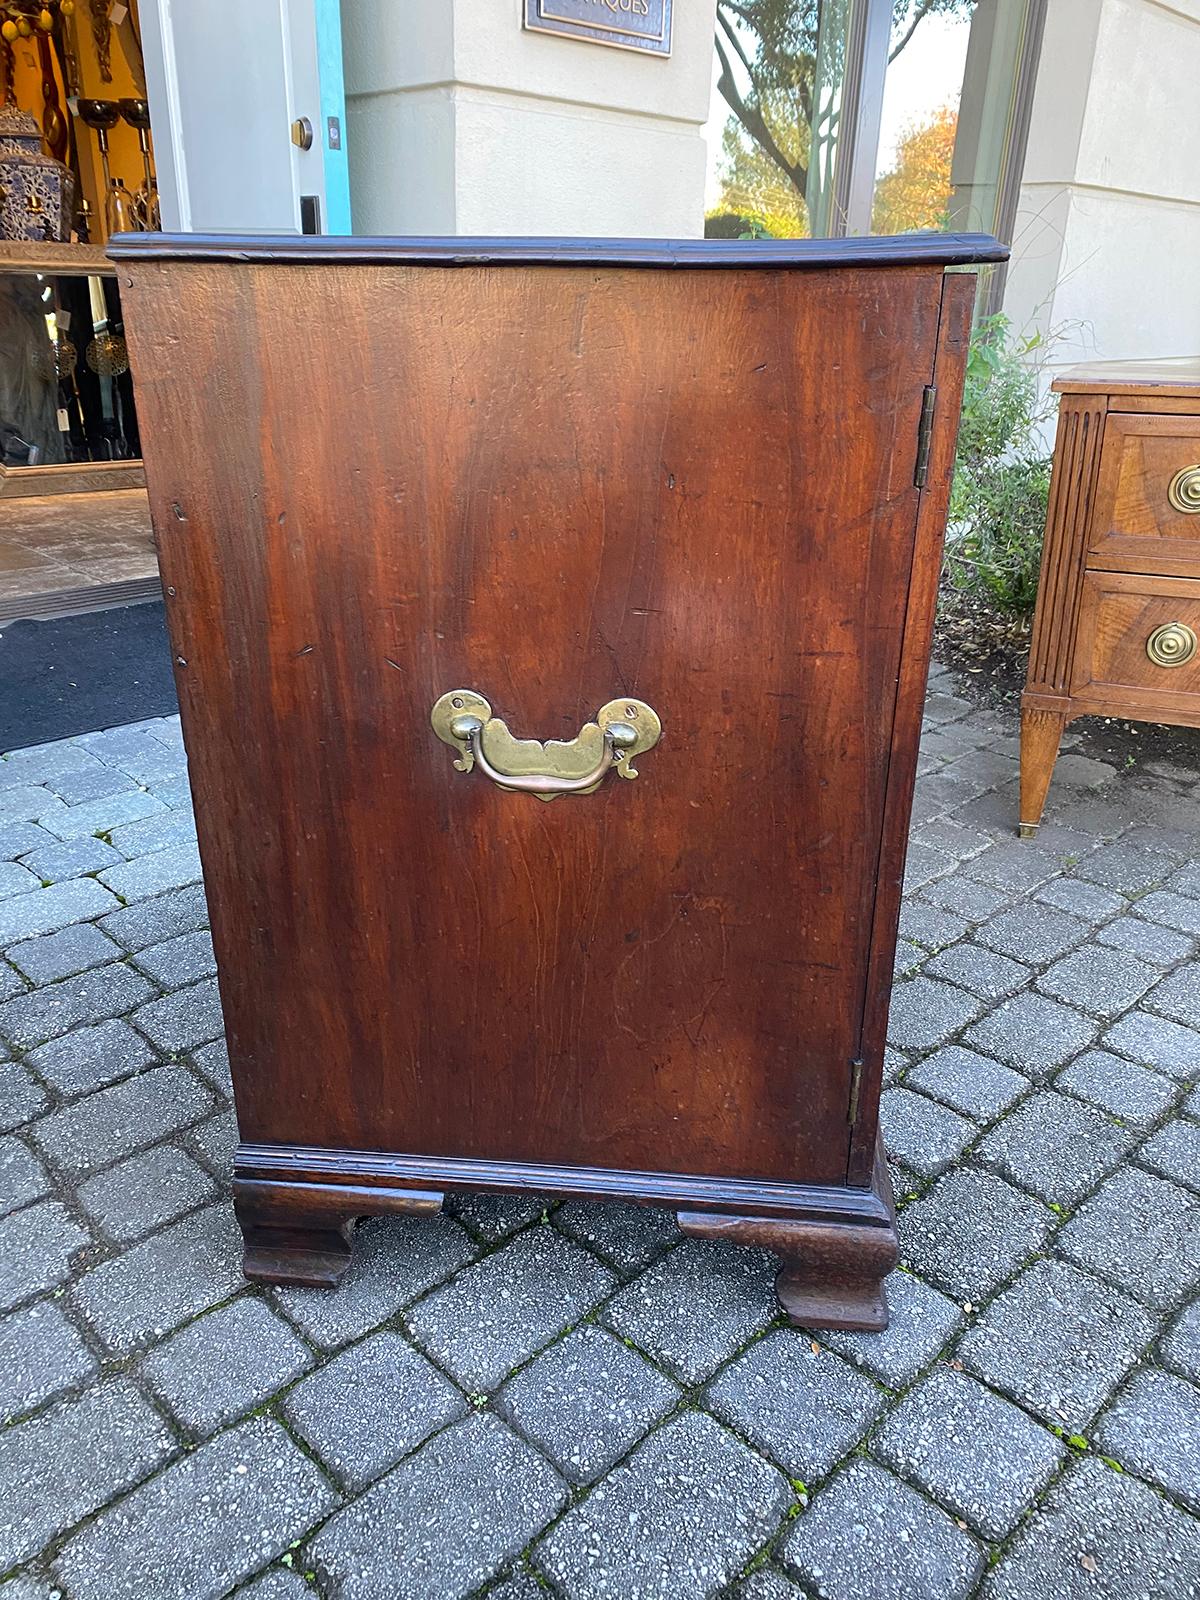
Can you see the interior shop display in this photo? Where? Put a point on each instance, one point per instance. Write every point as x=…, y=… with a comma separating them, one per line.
x=37, y=190
x=1117, y=627
x=648, y=535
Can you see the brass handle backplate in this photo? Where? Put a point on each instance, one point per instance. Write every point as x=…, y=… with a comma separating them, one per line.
x=1183, y=491
x=1171, y=645
x=622, y=729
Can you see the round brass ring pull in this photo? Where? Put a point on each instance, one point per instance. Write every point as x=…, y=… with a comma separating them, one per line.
x=1171, y=645
x=622, y=729
x=1183, y=491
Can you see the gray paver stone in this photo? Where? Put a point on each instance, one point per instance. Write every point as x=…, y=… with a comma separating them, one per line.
x=225, y=1363
x=371, y=1405
x=154, y=834
x=803, y=1407
x=1146, y=940
x=90, y=1058
x=215, y=1141
x=25, y=916
x=1153, y=1429
x=411, y=1536
x=696, y=1306
x=154, y=874
x=968, y=1082
x=586, y=1401
x=1174, y=1151
x=279, y=1583
x=965, y=897
x=394, y=1260
x=495, y=1216
x=1171, y=910
x=1140, y=1232
x=91, y=997
x=22, y=1176
x=1080, y=899
x=20, y=838
x=36, y=1246
x=63, y=954
x=21, y=1096
x=925, y=1013
x=213, y=1062
x=971, y=1232
x=1156, y=1042
x=155, y=921
x=921, y=1321
x=11, y=983
x=1032, y=1034
x=15, y=880
x=922, y=1134
x=764, y=1585
x=183, y=1020
x=496, y=1313
x=133, y=1299
x=1055, y=1145
x=627, y=1236
x=1130, y=868
x=198, y=1528
x=1177, y=996
x=928, y=925
x=1058, y=1341
x=1101, y=1535
x=1098, y=980
x=41, y=1355
x=124, y=1117
x=983, y=972
x=1181, y=1346
x=867, y=1535
x=57, y=861
x=185, y=959
x=1134, y=1094
x=674, y=1522
x=145, y=1192
x=65, y=1463
x=1031, y=933
x=979, y=1455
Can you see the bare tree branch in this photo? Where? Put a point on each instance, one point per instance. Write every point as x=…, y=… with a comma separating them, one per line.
x=751, y=118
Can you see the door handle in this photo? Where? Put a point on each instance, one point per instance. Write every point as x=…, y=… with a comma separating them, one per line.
x=621, y=730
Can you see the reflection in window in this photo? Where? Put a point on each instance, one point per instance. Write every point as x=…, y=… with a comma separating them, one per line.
x=802, y=99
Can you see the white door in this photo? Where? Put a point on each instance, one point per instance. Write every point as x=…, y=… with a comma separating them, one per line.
x=248, y=116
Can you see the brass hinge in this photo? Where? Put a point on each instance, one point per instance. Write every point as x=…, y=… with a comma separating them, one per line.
x=924, y=435
x=856, y=1075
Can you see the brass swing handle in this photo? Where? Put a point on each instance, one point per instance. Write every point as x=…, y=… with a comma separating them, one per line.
x=622, y=729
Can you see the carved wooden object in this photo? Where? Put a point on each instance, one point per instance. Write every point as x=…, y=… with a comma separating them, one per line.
x=1118, y=610
x=701, y=485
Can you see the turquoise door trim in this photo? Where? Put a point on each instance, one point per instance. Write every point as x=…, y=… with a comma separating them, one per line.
x=333, y=104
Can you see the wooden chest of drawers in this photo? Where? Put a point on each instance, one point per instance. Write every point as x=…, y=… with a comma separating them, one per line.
x=450, y=529
x=1118, y=612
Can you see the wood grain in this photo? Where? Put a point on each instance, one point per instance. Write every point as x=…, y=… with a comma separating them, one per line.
x=1135, y=528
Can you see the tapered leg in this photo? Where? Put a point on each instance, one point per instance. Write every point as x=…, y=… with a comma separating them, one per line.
x=1041, y=734
x=300, y=1233
x=832, y=1273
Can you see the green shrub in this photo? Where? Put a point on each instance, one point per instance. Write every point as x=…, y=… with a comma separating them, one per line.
x=1001, y=474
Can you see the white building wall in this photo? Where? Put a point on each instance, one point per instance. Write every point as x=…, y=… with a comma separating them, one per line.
x=1107, y=241
x=460, y=121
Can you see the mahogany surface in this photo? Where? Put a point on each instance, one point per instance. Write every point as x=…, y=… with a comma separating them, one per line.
x=686, y=477
x=1119, y=560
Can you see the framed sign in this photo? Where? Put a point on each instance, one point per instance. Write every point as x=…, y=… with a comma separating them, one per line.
x=627, y=24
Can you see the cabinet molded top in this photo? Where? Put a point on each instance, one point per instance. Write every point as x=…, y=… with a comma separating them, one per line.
x=903, y=249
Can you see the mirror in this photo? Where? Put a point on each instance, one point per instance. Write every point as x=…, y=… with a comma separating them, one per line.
x=68, y=421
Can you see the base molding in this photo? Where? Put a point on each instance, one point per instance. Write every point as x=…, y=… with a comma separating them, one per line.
x=297, y=1205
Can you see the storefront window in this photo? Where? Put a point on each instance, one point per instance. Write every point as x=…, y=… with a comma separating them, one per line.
x=853, y=116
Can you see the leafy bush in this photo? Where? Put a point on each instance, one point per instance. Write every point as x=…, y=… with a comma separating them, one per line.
x=1001, y=474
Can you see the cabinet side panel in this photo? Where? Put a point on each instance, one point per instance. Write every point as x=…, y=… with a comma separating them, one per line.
x=954, y=333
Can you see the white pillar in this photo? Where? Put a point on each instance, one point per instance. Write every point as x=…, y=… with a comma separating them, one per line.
x=1108, y=230
x=459, y=121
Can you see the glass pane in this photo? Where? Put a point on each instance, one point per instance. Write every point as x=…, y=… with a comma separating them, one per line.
x=775, y=117
x=947, y=114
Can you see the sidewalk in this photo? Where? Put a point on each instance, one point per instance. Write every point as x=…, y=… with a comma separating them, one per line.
x=521, y=1400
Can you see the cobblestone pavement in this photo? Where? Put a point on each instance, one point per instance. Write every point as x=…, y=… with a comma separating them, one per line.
x=515, y=1399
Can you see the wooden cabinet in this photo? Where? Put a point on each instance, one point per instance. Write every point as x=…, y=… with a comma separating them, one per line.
x=456, y=539
x=1118, y=615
